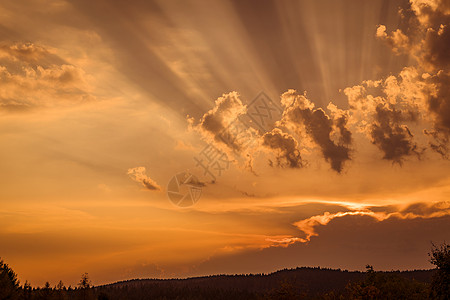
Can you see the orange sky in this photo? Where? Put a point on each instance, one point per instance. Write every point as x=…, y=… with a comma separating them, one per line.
x=102, y=103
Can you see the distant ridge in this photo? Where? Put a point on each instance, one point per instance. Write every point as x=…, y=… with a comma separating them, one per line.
x=311, y=281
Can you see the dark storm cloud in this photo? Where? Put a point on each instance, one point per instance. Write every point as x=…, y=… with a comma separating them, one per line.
x=300, y=114
x=285, y=146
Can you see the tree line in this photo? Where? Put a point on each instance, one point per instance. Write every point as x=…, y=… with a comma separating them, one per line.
x=299, y=283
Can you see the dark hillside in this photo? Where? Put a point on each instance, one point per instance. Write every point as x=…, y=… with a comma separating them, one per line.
x=303, y=281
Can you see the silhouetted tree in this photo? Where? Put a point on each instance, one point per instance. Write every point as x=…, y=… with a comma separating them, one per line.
x=9, y=285
x=60, y=286
x=26, y=290
x=440, y=285
x=85, y=282
x=84, y=285
x=60, y=290
x=46, y=291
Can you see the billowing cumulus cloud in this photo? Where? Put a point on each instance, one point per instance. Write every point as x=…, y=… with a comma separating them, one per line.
x=341, y=118
x=29, y=53
x=226, y=110
x=394, y=139
x=138, y=174
x=397, y=40
x=439, y=103
x=285, y=147
x=300, y=116
x=427, y=40
x=439, y=106
x=394, y=112
x=31, y=76
x=385, y=109
x=328, y=133
x=433, y=18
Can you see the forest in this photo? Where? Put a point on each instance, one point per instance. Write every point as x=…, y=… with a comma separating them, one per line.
x=299, y=283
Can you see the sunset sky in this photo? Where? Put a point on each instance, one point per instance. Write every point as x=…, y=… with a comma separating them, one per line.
x=103, y=102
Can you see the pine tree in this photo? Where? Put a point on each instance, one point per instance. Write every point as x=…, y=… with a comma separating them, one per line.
x=440, y=286
x=9, y=284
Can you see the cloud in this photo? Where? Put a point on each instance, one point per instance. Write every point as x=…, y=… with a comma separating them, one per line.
x=426, y=41
x=383, y=110
x=31, y=76
x=340, y=121
x=227, y=128
x=413, y=211
x=308, y=226
x=29, y=53
x=371, y=241
x=394, y=139
x=388, y=111
x=439, y=143
x=226, y=110
x=285, y=146
x=397, y=39
x=138, y=174
x=433, y=18
x=300, y=116
x=439, y=106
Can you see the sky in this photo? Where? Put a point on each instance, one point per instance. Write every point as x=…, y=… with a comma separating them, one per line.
x=170, y=138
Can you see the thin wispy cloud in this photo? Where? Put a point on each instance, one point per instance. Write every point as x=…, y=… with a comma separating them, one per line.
x=139, y=174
